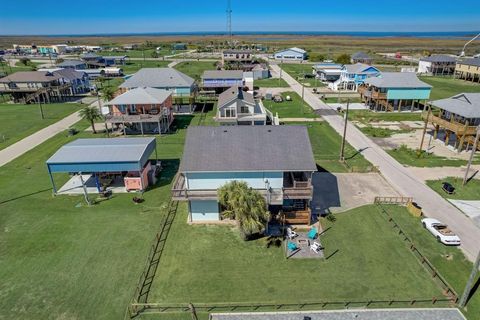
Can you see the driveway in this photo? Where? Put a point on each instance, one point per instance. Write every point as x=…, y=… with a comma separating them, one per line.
x=338, y=192
x=397, y=175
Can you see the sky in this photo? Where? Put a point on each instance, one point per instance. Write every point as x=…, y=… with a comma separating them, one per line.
x=31, y=17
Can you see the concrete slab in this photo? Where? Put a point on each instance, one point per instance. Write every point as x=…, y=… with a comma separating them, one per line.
x=470, y=208
x=370, y=314
x=338, y=192
x=74, y=186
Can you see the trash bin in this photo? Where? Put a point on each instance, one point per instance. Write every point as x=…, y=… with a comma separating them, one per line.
x=414, y=209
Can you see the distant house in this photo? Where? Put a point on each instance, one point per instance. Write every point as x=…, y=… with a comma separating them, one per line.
x=78, y=80
x=142, y=110
x=36, y=86
x=179, y=46
x=237, y=56
x=468, y=69
x=361, y=57
x=237, y=107
x=438, y=64
x=260, y=71
x=327, y=71
x=94, y=61
x=353, y=75
x=458, y=117
x=130, y=47
x=292, y=54
x=178, y=83
x=277, y=161
x=41, y=49
x=395, y=91
x=72, y=64
x=222, y=79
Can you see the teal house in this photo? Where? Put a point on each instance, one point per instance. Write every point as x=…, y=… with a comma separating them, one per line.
x=277, y=161
x=395, y=91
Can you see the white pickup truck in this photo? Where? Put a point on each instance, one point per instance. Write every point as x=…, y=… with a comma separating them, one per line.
x=441, y=232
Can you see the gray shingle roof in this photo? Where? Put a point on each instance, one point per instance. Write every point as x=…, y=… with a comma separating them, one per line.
x=397, y=80
x=234, y=93
x=158, y=78
x=247, y=149
x=464, y=104
x=69, y=74
x=357, y=68
x=222, y=74
x=439, y=58
x=90, y=55
x=360, y=55
x=470, y=62
x=102, y=150
x=30, y=76
x=141, y=96
x=70, y=63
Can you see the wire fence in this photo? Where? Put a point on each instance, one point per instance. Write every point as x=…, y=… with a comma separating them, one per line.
x=448, y=290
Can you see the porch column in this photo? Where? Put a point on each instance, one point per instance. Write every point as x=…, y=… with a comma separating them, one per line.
x=159, y=128
x=51, y=180
x=141, y=127
x=447, y=137
x=435, y=132
x=462, y=139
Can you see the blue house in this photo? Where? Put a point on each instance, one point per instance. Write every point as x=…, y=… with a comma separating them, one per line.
x=395, y=91
x=292, y=54
x=168, y=79
x=222, y=79
x=353, y=75
x=275, y=160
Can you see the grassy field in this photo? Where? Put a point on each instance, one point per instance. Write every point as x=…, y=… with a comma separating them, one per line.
x=217, y=266
x=299, y=70
x=444, y=87
x=271, y=83
x=449, y=261
x=135, y=65
x=195, y=69
x=471, y=191
x=20, y=120
x=409, y=157
x=165, y=51
x=290, y=109
x=376, y=132
x=366, y=116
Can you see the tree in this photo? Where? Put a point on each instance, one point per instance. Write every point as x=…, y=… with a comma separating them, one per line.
x=91, y=114
x=154, y=54
x=108, y=93
x=244, y=205
x=24, y=61
x=343, y=59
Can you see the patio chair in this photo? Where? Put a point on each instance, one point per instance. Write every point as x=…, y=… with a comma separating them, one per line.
x=312, y=234
x=291, y=234
x=292, y=246
x=315, y=246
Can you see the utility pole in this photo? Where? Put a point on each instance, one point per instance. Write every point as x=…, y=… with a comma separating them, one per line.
x=475, y=145
x=419, y=151
x=229, y=21
x=85, y=193
x=342, y=151
x=104, y=116
x=41, y=109
x=280, y=79
x=303, y=94
x=469, y=285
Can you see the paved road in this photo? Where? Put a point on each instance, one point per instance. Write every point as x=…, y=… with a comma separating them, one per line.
x=26, y=144
x=403, y=180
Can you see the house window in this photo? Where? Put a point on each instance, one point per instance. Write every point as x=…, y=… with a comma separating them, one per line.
x=230, y=113
x=244, y=109
x=133, y=108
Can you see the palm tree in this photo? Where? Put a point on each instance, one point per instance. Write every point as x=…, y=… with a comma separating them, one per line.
x=108, y=94
x=244, y=205
x=91, y=114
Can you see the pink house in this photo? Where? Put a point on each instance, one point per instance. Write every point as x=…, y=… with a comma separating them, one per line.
x=142, y=110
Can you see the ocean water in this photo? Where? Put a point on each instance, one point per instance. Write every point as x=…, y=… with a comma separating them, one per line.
x=285, y=34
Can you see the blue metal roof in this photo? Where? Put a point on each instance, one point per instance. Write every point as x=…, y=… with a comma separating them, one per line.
x=102, y=155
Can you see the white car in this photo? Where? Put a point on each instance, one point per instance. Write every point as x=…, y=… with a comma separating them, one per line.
x=441, y=232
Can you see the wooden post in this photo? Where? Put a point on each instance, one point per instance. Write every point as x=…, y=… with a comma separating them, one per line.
x=447, y=137
x=462, y=139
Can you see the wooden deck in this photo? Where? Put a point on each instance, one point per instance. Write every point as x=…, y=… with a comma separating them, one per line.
x=297, y=217
x=454, y=126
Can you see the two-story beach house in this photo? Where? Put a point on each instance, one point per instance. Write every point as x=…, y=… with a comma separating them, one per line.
x=36, y=86
x=457, y=118
x=395, y=91
x=291, y=54
x=327, y=71
x=238, y=107
x=437, y=64
x=142, y=110
x=468, y=69
x=242, y=56
x=353, y=75
x=219, y=80
x=275, y=160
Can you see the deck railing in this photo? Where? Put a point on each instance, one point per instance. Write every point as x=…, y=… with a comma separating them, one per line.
x=455, y=126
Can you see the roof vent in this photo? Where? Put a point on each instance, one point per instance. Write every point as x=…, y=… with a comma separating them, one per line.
x=269, y=130
x=225, y=131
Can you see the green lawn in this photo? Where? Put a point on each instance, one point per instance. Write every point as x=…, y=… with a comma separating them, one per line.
x=409, y=157
x=326, y=144
x=471, y=191
x=290, y=109
x=299, y=70
x=449, y=261
x=212, y=264
x=271, y=83
x=140, y=53
x=367, y=116
x=341, y=100
x=20, y=120
x=135, y=65
x=444, y=87
x=381, y=132
x=195, y=69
